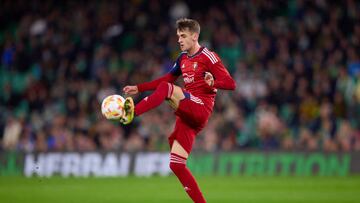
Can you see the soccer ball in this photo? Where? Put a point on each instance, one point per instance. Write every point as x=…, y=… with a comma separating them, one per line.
x=112, y=107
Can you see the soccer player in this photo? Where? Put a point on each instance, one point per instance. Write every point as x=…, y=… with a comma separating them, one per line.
x=203, y=73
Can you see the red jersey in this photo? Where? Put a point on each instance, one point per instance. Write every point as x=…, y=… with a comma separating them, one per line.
x=193, y=69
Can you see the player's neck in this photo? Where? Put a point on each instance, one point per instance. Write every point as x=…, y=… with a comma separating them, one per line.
x=194, y=49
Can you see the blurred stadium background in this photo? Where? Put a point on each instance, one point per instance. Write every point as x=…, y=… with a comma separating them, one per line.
x=295, y=112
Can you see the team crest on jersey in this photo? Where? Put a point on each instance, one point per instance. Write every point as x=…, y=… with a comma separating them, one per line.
x=195, y=65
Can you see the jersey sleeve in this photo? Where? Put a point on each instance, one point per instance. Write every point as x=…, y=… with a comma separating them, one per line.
x=176, y=69
x=222, y=77
x=171, y=76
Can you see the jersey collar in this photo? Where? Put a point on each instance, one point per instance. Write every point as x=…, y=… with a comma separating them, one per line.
x=197, y=53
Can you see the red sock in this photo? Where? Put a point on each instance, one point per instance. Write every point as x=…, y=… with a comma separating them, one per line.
x=178, y=166
x=162, y=92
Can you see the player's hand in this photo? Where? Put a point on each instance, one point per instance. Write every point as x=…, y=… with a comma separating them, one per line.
x=209, y=79
x=130, y=89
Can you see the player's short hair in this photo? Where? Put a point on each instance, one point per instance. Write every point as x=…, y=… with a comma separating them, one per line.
x=186, y=23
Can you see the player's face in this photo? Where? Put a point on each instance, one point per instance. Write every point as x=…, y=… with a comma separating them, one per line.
x=186, y=39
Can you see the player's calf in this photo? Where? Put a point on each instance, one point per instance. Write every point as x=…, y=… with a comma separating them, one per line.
x=178, y=166
x=162, y=92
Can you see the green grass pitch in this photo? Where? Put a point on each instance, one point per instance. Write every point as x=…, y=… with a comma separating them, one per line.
x=168, y=190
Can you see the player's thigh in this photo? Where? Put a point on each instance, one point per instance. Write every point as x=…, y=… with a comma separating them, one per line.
x=178, y=149
x=176, y=97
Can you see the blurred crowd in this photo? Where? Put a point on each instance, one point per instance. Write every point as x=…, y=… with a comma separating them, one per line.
x=296, y=64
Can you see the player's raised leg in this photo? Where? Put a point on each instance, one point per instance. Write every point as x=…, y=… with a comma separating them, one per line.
x=178, y=159
x=164, y=91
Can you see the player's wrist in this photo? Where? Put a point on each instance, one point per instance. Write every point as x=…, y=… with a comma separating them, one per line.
x=139, y=88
